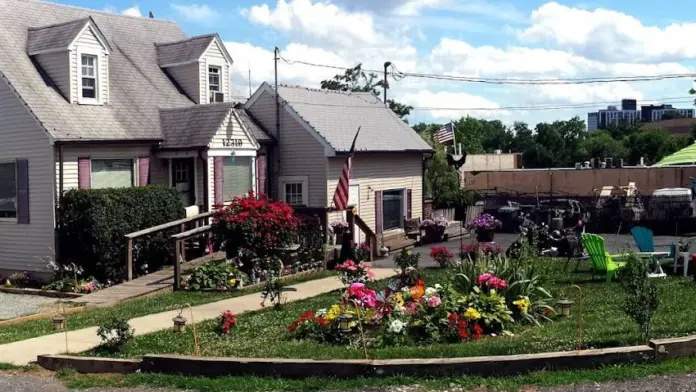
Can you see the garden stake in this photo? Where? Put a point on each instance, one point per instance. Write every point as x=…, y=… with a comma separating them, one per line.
x=196, y=348
x=579, y=316
x=61, y=311
x=362, y=334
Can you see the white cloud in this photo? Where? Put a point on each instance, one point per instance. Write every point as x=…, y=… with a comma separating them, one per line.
x=609, y=35
x=195, y=12
x=414, y=7
x=583, y=93
x=319, y=20
x=446, y=99
x=132, y=11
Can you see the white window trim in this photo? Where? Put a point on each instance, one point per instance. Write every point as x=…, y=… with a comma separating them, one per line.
x=16, y=218
x=304, y=180
x=253, y=176
x=98, y=82
x=136, y=175
x=403, y=217
x=219, y=74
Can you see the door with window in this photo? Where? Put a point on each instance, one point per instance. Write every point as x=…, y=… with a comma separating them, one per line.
x=393, y=209
x=182, y=180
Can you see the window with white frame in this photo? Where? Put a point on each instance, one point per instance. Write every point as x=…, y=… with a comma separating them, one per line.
x=8, y=190
x=237, y=176
x=89, y=76
x=294, y=190
x=393, y=209
x=214, y=79
x=113, y=173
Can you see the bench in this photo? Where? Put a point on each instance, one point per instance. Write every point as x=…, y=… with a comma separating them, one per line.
x=412, y=228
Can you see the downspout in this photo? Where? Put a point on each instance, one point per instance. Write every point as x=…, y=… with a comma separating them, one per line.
x=206, y=182
x=59, y=196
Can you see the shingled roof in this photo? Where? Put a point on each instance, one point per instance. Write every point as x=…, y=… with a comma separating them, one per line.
x=55, y=36
x=185, y=51
x=336, y=116
x=138, y=86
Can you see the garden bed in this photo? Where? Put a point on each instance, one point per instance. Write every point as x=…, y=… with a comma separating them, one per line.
x=264, y=334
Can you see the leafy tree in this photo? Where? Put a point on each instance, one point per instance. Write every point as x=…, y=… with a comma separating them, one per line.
x=600, y=144
x=442, y=181
x=523, y=137
x=672, y=114
x=496, y=136
x=624, y=129
x=653, y=145
x=356, y=80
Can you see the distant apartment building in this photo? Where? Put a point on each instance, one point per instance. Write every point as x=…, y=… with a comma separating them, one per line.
x=629, y=113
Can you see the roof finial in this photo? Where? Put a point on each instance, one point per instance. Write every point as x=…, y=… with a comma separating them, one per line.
x=152, y=16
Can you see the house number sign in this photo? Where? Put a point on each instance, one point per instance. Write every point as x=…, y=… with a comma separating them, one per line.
x=232, y=142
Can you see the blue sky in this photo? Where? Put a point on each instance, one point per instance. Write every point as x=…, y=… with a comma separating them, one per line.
x=490, y=39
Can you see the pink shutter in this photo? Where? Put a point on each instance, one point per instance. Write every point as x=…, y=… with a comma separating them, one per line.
x=84, y=173
x=378, y=213
x=143, y=171
x=217, y=178
x=409, y=204
x=22, y=191
x=261, y=174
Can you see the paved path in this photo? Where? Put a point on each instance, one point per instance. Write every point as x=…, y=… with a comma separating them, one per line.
x=26, y=351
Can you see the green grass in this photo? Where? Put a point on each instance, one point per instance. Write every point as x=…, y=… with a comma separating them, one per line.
x=252, y=384
x=130, y=309
x=264, y=334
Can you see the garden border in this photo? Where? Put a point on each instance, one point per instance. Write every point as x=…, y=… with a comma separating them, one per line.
x=503, y=365
x=42, y=316
x=40, y=292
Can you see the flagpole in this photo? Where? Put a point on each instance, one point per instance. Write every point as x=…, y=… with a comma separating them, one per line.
x=454, y=137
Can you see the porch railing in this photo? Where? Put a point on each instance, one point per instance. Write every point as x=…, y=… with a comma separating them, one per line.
x=370, y=236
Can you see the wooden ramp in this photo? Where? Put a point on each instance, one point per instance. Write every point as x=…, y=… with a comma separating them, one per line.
x=162, y=280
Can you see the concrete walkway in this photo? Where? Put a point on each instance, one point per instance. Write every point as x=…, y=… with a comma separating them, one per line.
x=26, y=351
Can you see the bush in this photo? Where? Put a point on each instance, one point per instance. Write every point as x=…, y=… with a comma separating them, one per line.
x=642, y=299
x=214, y=275
x=115, y=333
x=93, y=222
x=442, y=255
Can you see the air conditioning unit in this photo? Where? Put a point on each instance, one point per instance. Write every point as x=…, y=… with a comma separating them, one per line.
x=216, y=97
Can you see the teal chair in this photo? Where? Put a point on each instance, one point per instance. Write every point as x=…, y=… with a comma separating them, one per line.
x=646, y=244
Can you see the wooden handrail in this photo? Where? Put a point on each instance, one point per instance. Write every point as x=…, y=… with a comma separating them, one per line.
x=371, y=237
x=176, y=242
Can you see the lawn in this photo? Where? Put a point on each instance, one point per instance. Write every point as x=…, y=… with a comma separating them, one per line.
x=264, y=333
x=131, y=309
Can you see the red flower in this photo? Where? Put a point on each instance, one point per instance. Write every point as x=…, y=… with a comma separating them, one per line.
x=463, y=334
x=322, y=322
x=478, y=331
x=292, y=327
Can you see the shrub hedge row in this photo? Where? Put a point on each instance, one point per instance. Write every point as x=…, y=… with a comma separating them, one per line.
x=93, y=222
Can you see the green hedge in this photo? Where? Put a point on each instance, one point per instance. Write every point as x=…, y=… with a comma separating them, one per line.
x=93, y=222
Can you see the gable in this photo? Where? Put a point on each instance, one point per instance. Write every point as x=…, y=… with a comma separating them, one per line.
x=232, y=135
x=89, y=39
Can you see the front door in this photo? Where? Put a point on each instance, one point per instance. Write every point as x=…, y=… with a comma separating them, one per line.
x=182, y=180
x=354, y=200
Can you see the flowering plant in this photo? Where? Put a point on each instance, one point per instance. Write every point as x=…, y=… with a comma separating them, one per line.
x=491, y=281
x=227, y=321
x=484, y=222
x=351, y=272
x=472, y=251
x=442, y=255
x=338, y=225
x=359, y=294
x=362, y=251
x=90, y=287
x=439, y=222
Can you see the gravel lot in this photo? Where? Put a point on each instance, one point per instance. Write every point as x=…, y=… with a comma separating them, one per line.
x=15, y=305
x=28, y=383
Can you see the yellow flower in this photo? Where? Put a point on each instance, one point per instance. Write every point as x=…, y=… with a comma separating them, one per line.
x=232, y=282
x=333, y=313
x=396, y=300
x=522, y=304
x=8, y=283
x=472, y=314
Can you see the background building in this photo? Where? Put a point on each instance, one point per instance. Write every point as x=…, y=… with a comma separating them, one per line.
x=629, y=113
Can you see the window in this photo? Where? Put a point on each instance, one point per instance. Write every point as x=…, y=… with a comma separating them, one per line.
x=237, y=176
x=8, y=190
x=89, y=76
x=214, y=79
x=294, y=190
x=393, y=209
x=112, y=173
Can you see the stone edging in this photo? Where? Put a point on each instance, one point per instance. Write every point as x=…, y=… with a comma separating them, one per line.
x=503, y=365
x=39, y=292
x=41, y=316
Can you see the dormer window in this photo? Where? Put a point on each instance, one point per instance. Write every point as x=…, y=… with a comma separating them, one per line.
x=89, y=76
x=214, y=86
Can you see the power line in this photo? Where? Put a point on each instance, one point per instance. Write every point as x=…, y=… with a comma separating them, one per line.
x=516, y=81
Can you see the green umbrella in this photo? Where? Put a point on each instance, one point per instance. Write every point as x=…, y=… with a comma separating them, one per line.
x=685, y=156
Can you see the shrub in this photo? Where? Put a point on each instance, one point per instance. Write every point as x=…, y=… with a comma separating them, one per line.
x=227, y=321
x=642, y=299
x=92, y=224
x=214, y=275
x=442, y=255
x=406, y=258
x=310, y=237
x=115, y=333
x=362, y=251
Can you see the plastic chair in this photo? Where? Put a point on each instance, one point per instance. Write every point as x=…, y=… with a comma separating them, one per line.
x=602, y=261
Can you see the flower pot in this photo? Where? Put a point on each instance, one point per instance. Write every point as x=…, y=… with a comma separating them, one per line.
x=485, y=235
x=434, y=235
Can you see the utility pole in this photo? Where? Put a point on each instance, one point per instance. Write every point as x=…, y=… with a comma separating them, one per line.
x=276, y=57
x=249, y=80
x=386, y=81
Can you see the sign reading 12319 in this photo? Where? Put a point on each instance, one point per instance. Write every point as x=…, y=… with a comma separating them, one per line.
x=232, y=142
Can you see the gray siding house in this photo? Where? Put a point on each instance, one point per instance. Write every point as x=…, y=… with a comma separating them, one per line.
x=90, y=99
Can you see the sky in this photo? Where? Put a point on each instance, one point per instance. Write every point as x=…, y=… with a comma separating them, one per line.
x=487, y=39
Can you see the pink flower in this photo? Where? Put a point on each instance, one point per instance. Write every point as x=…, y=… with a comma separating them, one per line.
x=369, y=301
x=370, y=275
x=497, y=283
x=483, y=278
x=434, y=302
x=357, y=286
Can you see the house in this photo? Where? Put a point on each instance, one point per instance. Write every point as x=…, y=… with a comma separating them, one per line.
x=91, y=99
x=315, y=128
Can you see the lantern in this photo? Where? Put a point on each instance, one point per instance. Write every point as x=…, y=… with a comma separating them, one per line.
x=564, y=307
x=344, y=322
x=179, y=323
x=58, y=323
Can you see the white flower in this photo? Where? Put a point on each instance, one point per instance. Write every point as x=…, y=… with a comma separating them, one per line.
x=438, y=287
x=320, y=313
x=405, y=289
x=430, y=291
x=396, y=326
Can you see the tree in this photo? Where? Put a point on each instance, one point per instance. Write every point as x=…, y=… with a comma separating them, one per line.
x=442, y=181
x=496, y=136
x=356, y=80
x=523, y=137
x=672, y=114
x=653, y=145
x=600, y=144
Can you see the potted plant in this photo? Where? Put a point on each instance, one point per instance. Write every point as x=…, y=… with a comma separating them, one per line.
x=338, y=227
x=442, y=255
x=484, y=226
x=434, y=228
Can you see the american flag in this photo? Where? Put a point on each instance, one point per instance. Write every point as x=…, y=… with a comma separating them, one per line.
x=340, y=199
x=445, y=134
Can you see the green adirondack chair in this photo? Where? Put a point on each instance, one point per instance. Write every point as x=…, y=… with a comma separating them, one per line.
x=602, y=261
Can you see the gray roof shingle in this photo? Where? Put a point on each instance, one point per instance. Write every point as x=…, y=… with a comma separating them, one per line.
x=56, y=36
x=138, y=87
x=253, y=126
x=195, y=126
x=183, y=51
x=336, y=115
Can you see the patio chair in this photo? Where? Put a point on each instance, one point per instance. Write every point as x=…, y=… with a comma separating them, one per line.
x=602, y=261
x=646, y=244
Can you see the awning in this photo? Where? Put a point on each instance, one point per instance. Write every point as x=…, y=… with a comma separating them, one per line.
x=685, y=156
